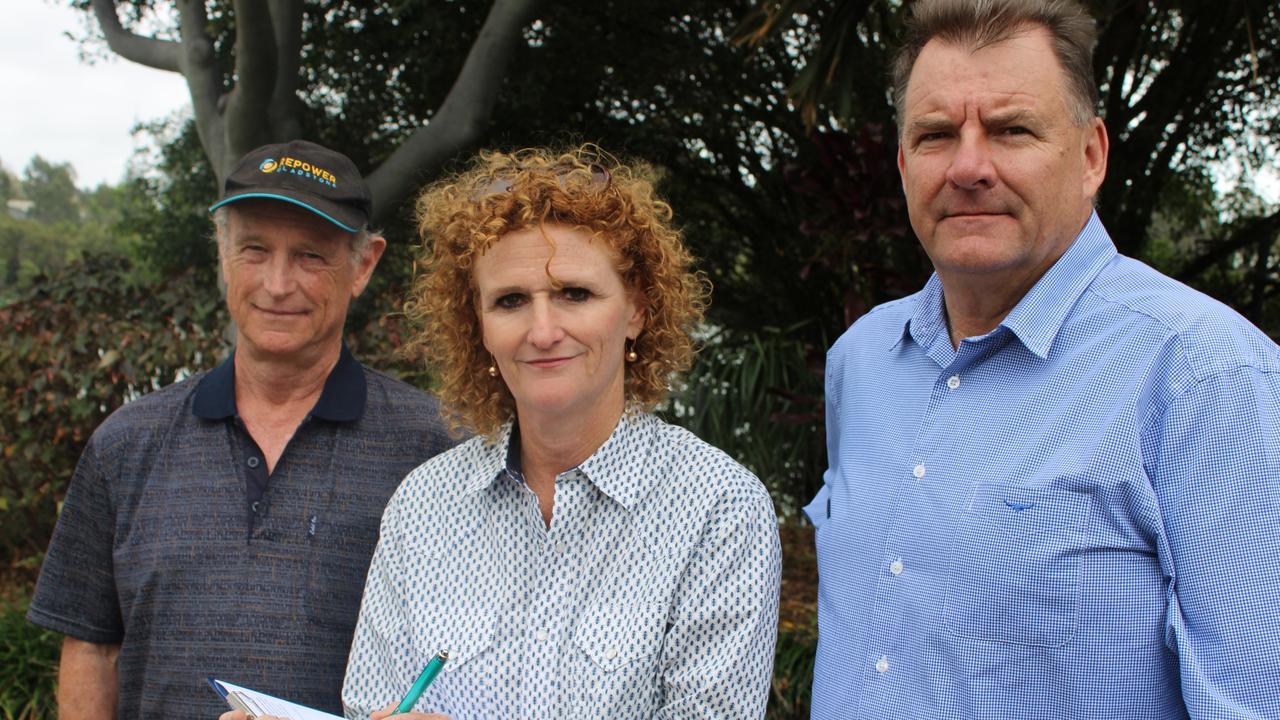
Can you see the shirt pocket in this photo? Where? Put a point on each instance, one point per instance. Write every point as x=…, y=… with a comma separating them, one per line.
x=338, y=550
x=616, y=648
x=465, y=686
x=1014, y=574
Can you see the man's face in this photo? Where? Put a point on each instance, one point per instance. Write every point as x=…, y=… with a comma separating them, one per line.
x=290, y=278
x=998, y=177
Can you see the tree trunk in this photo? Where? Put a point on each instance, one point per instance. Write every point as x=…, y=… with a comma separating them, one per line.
x=263, y=105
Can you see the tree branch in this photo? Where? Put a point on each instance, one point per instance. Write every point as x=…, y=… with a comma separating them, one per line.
x=465, y=112
x=159, y=54
x=285, y=109
x=1256, y=231
x=248, y=102
x=204, y=82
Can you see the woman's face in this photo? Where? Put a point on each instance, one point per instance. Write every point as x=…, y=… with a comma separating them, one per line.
x=559, y=344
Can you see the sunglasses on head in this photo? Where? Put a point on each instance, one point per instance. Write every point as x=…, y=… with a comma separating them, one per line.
x=600, y=179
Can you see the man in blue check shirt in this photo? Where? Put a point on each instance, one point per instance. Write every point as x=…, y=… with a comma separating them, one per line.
x=1054, y=482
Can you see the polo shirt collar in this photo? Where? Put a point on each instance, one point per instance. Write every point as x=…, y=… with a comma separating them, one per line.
x=622, y=468
x=1039, y=315
x=341, y=400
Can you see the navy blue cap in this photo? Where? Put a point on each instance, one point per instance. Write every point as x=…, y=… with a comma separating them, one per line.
x=305, y=174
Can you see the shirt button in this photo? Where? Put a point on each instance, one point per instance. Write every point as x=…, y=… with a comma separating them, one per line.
x=255, y=505
x=895, y=567
x=611, y=653
x=918, y=471
x=953, y=382
x=541, y=635
x=882, y=665
x=252, y=462
x=559, y=546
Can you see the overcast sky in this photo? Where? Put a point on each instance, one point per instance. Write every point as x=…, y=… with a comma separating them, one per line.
x=54, y=105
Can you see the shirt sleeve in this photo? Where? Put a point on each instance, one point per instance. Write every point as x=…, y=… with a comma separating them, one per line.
x=1214, y=460
x=76, y=592
x=717, y=659
x=819, y=509
x=381, y=660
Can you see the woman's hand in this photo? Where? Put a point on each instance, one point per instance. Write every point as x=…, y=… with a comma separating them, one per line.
x=239, y=715
x=387, y=711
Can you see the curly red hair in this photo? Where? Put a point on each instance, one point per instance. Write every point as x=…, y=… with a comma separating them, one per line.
x=461, y=216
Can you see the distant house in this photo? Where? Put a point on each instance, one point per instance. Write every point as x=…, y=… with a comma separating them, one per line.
x=20, y=209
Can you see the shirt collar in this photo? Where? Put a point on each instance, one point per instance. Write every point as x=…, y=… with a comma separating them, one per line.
x=1039, y=315
x=341, y=400
x=493, y=459
x=621, y=467
x=929, y=319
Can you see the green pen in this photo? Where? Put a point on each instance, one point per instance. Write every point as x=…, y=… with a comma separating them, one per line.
x=420, y=685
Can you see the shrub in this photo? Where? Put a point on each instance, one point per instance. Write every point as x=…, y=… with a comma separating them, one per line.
x=790, y=691
x=77, y=346
x=758, y=397
x=28, y=666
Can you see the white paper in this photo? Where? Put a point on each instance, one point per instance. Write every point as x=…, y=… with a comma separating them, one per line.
x=264, y=704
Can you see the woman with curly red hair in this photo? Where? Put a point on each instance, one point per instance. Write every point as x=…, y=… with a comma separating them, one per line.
x=579, y=557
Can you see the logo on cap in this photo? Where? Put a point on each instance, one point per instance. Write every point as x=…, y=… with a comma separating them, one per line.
x=295, y=166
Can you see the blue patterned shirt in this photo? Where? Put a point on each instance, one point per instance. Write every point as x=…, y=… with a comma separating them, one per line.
x=653, y=594
x=1076, y=515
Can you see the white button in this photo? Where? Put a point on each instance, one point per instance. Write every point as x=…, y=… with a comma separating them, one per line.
x=559, y=546
x=541, y=635
x=919, y=471
x=953, y=382
x=882, y=665
x=611, y=653
x=895, y=567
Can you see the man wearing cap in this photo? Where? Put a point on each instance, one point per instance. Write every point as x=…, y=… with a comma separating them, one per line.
x=222, y=526
x=1053, y=487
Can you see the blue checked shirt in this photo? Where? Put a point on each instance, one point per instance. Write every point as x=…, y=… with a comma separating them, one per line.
x=1076, y=515
x=654, y=594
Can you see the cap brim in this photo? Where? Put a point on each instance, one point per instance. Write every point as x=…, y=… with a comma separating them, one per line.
x=284, y=198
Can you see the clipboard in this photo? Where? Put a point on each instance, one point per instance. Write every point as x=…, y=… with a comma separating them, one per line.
x=257, y=704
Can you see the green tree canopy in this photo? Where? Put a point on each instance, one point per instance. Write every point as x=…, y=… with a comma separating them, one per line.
x=52, y=187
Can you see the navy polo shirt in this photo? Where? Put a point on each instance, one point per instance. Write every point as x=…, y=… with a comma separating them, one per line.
x=154, y=549
x=341, y=401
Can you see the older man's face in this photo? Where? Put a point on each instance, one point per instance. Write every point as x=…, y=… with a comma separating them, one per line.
x=290, y=278
x=998, y=177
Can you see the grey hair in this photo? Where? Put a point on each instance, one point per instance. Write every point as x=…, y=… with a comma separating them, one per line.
x=978, y=23
x=222, y=218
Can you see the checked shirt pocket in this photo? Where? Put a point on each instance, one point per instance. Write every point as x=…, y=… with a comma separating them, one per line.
x=1014, y=570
